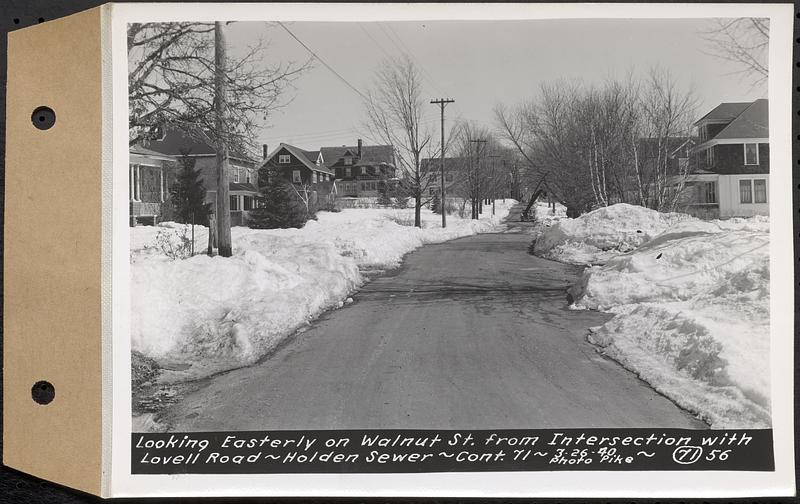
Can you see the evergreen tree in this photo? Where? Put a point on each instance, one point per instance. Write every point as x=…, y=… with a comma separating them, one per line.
x=384, y=192
x=436, y=203
x=188, y=194
x=277, y=206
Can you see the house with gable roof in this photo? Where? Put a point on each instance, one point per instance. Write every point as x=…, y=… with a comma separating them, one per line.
x=299, y=166
x=731, y=175
x=347, y=171
x=170, y=147
x=361, y=169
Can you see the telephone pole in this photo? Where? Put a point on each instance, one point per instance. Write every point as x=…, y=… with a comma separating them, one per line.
x=220, y=109
x=442, y=102
x=493, y=181
x=477, y=203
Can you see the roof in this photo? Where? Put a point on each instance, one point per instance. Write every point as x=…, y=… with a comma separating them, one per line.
x=177, y=142
x=724, y=112
x=308, y=158
x=138, y=150
x=370, y=154
x=449, y=162
x=244, y=187
x=753, y=122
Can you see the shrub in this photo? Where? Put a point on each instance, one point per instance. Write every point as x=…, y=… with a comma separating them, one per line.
x=175, y=245
x=143, y=369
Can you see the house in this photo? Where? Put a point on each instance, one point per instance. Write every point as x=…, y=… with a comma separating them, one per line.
x=731, y=178
x=361, y=169
x=298, y=166
x=454, y=168
x=150, y=175
x=242, y=175
x=347, y=170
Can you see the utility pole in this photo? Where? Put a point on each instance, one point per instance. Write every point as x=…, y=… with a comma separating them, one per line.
x=493, y=181
x=220, y=108
x=478, y=209
x=442, y=102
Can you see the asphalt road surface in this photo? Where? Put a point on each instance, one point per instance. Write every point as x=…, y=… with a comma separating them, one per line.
x=470, y=334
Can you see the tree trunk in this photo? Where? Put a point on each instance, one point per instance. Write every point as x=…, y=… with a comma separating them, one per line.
x=418, y=211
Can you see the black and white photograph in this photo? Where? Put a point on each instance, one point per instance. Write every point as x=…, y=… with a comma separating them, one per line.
x=450, y=224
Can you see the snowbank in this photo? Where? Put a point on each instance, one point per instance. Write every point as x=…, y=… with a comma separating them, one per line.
x=202, y=315
x=595, y=237
x=692, y=316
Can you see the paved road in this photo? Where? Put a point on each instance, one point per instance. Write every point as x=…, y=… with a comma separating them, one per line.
x=470, y=334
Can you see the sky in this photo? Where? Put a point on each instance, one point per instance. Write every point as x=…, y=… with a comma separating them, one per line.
x=477, y=63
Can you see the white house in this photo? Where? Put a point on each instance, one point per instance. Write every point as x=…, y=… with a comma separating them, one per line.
x=732, y=160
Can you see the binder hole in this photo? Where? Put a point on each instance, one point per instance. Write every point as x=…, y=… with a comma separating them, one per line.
x=43, y=392
x=43, y=118
x=41, y=20
x=16, y=20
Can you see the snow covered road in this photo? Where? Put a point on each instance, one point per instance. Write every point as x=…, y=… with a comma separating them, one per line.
x=468, y=334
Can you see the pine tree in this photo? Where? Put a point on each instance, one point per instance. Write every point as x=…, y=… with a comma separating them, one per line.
x=277, y=206
x=436, y=203
x=188, y=196
x=384, y=192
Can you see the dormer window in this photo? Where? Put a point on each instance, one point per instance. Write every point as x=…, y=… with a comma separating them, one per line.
x=348, y=161
x=284, y=159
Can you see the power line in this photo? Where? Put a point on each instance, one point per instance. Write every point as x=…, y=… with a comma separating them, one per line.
x=322, y=61
x=360, y=25
x=410, y=53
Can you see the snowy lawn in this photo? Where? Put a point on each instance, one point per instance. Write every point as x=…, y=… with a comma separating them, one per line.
x=596, y=236
x=691, y=300
x=202, y=315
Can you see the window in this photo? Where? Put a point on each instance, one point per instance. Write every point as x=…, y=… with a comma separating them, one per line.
x=348, y=172
x=745, y=191
x=448, y=177
x=751, y=153
x=284, y=159
x=709, y=193
x=296, y=177
x=760, y=190
x=236, y=175
x=710, y=156
x=348, y=161
x=235, y=204
x=248, y=202
x=313, y=177
x=247, y=176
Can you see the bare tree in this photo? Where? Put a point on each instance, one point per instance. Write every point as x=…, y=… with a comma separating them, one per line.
x=171, y=82
x=395, y=116
x=600, y=145
x=744, y=41
x=666, y=114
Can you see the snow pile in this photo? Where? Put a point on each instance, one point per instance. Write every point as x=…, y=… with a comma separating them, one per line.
x=692, y=316
x=201, y=315
x=596, y=236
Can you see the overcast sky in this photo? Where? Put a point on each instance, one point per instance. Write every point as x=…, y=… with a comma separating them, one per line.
x=478, y=64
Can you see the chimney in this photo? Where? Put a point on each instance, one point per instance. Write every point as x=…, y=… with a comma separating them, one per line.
x=265, y=149
x=359, y=148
